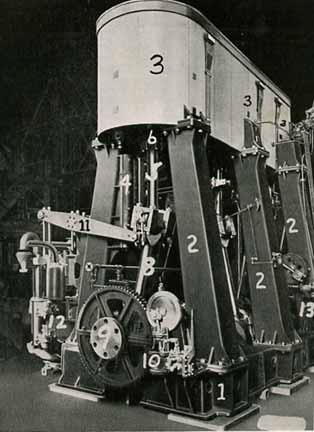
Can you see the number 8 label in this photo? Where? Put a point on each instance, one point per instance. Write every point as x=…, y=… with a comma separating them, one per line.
x=149, y=266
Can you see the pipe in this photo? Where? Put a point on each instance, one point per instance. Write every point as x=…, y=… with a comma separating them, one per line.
x=25, y=252
x=28, y=236
x=28, y=241
x=39, y=243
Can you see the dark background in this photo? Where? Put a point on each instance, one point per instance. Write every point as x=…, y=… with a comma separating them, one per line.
x=42, y=39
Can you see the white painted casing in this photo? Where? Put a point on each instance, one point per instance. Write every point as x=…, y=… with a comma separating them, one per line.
x=130, y=33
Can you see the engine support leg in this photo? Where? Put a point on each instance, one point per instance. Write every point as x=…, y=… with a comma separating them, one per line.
x=203, y=271
x=268, y=289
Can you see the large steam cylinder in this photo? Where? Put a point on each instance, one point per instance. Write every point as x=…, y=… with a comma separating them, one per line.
x=151, y=62
x=157, y=56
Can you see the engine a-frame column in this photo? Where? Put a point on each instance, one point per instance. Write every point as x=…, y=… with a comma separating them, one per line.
x=203, y=271
x=294, y=187
x=220, y=364
x=93, y=249
x=268, y=289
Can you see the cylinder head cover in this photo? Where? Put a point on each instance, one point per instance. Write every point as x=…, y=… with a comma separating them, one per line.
x=151, y=62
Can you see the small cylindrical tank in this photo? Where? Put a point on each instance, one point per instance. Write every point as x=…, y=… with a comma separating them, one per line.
x=151, y=63
x=55, y=281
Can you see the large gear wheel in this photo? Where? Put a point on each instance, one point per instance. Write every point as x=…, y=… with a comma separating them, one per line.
x=113, y=334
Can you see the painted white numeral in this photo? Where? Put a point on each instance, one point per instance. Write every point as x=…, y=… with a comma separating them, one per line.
x=222, y=391
x=149, y=266
x=152, y=140
x=261, y=277
x=60, y=322
x=302, y=309
x=51, y=321
x=191, y=246
x=308, y=308
x=292, y=229
x=125, y=182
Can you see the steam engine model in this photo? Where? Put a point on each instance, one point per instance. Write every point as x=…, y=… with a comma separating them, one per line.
x=154, y=286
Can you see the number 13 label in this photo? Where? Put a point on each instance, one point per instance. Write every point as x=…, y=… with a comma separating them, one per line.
x=307, y=310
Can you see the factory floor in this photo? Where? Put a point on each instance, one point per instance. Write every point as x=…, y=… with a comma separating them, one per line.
x=27, y=405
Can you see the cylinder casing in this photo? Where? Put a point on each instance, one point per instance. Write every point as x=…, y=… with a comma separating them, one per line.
x=157, y=56
x=150, y=64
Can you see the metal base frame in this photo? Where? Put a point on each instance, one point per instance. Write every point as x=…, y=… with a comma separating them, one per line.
x=289, y=389
x=199, y=397
x=80, y=394
x=218, y=423
x=74, y=375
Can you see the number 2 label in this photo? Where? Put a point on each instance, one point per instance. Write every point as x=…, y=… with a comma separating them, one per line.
x=291, y=223
x=192, y=243
x=260, y=278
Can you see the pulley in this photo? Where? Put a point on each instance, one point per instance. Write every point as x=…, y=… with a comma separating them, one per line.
x=164, y=308
x=113, y=334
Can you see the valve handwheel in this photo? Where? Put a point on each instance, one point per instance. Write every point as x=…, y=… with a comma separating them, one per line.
x=296, y=266
x=113, y=334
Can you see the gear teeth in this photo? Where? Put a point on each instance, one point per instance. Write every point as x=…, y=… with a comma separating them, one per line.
x=83, y=354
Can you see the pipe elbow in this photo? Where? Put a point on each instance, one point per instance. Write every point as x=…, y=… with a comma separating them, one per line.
x=25, y=239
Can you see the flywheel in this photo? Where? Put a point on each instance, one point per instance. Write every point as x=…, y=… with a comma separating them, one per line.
x=113, y=334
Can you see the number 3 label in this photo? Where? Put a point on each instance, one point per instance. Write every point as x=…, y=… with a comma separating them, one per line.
x=158, y=65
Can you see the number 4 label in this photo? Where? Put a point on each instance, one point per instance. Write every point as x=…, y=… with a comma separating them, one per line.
x=125, y=182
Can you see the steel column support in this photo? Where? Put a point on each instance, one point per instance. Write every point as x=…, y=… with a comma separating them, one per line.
x=295, y=202
x=95, y=249
x=203, y=271
x=269, y=293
